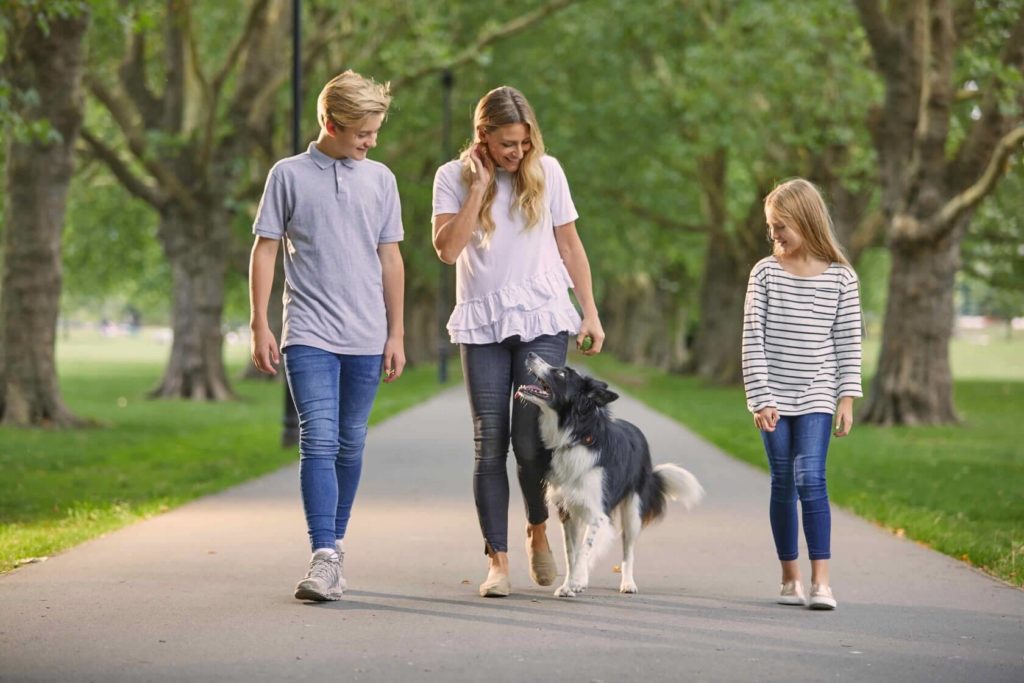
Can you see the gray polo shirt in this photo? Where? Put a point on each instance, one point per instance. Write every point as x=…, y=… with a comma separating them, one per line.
x=332, y=215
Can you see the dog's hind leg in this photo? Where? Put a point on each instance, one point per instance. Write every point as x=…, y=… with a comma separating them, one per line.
x=629, y=511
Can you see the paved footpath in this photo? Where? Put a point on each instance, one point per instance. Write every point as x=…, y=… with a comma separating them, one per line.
x=203, y=593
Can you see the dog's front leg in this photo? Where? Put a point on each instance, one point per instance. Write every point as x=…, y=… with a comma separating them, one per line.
x=571, y=529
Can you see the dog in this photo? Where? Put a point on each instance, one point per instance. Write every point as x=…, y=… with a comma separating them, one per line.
x=600, y=471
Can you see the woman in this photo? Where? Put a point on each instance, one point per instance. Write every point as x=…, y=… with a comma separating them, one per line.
x=504, y=216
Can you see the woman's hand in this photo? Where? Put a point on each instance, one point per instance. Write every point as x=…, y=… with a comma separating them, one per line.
x=844, y=416
x=766, y=419
x=481, y=167
x=590, y=327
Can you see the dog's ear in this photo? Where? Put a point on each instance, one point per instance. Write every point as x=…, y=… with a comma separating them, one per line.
x=600, y=393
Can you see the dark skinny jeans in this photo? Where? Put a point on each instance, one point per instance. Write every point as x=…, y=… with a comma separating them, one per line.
x=492, y=373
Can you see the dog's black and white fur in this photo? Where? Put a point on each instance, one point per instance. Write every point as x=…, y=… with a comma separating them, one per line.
x=600, y=470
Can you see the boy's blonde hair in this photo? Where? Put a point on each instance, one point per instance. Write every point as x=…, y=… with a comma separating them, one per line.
x=799, y=204
x=501, y=107
x=348, y=98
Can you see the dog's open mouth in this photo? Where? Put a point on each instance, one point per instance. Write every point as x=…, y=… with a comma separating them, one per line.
x=541, y=390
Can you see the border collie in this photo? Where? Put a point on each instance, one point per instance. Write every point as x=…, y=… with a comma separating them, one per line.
x=600, y=470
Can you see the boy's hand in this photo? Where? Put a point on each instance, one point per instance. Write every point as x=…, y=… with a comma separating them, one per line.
x=394, y=359
x=766, y=419
x=264, y=351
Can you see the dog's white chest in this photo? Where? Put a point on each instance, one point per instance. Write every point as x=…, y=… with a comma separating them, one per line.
x=571, y=477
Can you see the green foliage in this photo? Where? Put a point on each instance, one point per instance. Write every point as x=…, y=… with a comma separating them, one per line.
x=63, y=487
x=958, y=489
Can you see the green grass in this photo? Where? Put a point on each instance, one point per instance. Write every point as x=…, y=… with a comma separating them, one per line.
x=62, y=487
x=958, y=489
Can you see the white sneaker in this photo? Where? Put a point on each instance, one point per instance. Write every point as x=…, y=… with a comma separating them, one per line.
x=821, y=597
x=792, y=593
x=323, y=581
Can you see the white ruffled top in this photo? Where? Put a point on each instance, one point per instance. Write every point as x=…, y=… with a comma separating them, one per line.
x=516, y=282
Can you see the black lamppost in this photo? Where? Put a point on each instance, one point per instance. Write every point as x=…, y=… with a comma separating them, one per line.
x=290, y=423
x=447, y=82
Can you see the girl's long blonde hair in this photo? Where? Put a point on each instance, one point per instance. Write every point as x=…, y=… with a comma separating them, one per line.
x=799, y=204
x=501, y=107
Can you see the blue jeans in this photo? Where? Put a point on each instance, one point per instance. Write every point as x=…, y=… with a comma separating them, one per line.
x=492, y=373
x=333, y=395
x=796, y=455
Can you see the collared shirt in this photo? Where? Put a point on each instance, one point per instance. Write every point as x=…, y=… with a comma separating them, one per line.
x=332, y=214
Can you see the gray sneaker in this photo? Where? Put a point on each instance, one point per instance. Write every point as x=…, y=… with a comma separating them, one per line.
x=323, y=580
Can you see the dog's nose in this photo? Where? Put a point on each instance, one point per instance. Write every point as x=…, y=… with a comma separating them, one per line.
x=531, y=356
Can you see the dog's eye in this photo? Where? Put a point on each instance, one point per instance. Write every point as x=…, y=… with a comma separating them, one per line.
x=560, y=374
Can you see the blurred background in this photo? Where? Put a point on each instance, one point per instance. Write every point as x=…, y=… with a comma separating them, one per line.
x=138, y=136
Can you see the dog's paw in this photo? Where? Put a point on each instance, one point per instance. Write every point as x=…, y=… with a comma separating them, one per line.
x=629, y=587
x=578, y=586
x=564, y=591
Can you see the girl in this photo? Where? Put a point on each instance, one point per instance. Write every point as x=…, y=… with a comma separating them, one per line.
x=504, y=216
x=801, y=356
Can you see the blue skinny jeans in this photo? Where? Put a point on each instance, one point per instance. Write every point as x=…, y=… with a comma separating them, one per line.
x=492, y=373
x=333, y=395
x=796, y=455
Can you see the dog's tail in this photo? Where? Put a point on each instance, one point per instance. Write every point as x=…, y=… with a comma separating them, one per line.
x=669, y=482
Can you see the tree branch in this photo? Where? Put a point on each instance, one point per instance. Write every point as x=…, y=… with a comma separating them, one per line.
x=657, y=218
x=470, y=52
x=133, y=75
x=133, y=183
x=972, y=196
x=136, y=143
x=880, y=33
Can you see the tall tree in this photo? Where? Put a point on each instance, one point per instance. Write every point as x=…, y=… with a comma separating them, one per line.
x=42, y=68
x=940, y=154
x=193, y=101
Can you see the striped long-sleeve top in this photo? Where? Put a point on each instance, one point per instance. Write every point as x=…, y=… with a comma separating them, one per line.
x=801, y=339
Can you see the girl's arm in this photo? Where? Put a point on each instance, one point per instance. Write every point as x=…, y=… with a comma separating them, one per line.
x=576, y=262
x=846, y=335
x=753, y=358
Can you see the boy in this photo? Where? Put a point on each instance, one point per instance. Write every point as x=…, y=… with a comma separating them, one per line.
x=340, y=218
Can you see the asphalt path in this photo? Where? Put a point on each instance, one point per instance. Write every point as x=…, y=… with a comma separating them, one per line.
x=204, y=592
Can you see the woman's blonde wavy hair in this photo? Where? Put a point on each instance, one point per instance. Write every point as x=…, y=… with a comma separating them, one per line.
x=799, y=204
x=348, y=98
x=501, y=107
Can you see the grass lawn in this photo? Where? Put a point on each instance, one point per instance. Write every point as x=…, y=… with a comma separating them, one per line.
x=63, y=487
x=957, y=489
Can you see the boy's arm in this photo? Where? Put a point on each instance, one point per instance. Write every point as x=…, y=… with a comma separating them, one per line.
x=393, y=276
x=265, y=355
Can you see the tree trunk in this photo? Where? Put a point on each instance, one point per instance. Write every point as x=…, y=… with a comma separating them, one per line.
x=914, y=384
x=37, y=178
x=196, y=366
x=716, y=348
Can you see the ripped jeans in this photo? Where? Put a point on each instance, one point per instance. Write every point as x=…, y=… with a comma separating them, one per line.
x=796, y=455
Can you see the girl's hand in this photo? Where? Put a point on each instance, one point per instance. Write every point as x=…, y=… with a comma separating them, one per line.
x=844, y=416
x=480, y=165
x=766, y=419
x=590, y=327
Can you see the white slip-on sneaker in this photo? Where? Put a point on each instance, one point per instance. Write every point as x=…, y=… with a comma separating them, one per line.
x=792, y=593
x=821, y=597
